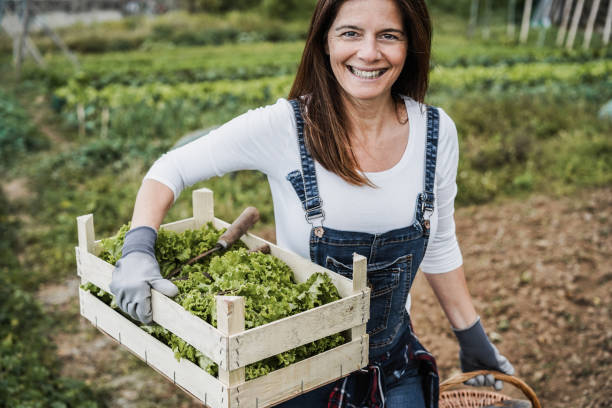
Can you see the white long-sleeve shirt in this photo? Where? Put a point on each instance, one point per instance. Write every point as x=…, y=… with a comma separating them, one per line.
x=265, y=139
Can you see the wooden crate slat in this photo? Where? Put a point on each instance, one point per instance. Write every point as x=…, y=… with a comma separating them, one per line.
x=302, y=268
x=301, y=377
x=180, y=226
x=166, y=312
x=93, y=269
x=293, y=331
x=156, y=354
x=191, y=328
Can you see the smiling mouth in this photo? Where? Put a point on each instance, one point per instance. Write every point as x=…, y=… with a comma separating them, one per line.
x=366, y=74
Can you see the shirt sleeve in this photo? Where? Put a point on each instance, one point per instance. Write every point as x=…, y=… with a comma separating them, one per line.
x=443, y=253
x=252, y=141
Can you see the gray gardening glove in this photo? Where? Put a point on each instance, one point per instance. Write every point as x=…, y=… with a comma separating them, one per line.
x=478, y=353
x=136, y=273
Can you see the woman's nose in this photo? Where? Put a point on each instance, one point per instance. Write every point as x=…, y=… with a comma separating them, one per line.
x=368, y=50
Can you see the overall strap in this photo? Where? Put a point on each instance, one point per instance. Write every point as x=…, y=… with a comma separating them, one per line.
x=425, y=204
x=309, y=191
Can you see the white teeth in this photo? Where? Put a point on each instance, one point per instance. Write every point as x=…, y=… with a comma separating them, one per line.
x=366, y=74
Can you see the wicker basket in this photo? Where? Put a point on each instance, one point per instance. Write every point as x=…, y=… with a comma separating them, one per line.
x=474, y=398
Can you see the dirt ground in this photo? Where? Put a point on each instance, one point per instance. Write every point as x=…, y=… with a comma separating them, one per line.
x=539, y=270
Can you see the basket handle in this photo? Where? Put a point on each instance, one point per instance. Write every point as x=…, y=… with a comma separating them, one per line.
x=517, y=382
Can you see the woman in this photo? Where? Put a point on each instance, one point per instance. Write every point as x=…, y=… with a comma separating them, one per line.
x=356, y=163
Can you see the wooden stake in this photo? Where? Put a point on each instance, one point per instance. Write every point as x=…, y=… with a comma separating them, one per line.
x=526, y=21
x=590, y=24
x=81, y=119
x=22, y=37
x=567, y=10
x=574, y=28
x=105, y=119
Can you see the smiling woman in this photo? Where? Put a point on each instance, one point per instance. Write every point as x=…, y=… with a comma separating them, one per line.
x=357, y=163
x=367, y=53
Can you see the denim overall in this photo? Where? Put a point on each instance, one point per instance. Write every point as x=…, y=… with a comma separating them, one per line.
x=401, y=373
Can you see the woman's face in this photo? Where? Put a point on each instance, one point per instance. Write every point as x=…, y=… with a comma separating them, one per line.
x=367, y=47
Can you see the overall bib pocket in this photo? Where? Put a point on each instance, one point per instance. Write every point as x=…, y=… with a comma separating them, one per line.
x=389, y=283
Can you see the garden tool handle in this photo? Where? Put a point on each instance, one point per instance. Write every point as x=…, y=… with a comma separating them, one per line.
x=239, y=227
x=264, y=249
x=517, y=382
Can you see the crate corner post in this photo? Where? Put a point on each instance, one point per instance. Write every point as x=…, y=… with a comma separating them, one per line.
x=360, y=278
x=85, y=229
x=203, y=207
x=230, y=321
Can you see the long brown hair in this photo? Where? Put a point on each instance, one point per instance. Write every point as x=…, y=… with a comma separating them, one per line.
x=325, y=116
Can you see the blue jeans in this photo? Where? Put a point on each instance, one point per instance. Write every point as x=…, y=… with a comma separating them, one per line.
x=406, y=392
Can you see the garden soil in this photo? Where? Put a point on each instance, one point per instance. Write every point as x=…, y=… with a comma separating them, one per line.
x=540, y=272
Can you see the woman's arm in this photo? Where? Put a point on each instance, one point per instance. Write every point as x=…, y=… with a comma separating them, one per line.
x=153, y=201
x=453, y=295
x=476, y=350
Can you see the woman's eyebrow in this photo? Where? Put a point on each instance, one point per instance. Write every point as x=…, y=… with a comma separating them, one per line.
x=352, y=27
x=392, y=30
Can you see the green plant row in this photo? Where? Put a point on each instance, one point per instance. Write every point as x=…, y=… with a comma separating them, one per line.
x=266, y=283
x=202, y=95
x=215, y=95
x=520, y=75
x=170, y=64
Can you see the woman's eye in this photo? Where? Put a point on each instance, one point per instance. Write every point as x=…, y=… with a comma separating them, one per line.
x=388, y=36
x=350, y=34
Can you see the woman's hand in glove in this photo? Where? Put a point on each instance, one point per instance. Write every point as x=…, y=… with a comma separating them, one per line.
x=478, y=353
x=136, y=273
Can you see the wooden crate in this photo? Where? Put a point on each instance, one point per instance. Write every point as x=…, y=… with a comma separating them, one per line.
x=230, y=345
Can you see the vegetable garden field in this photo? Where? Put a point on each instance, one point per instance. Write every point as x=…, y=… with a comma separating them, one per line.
x=533, y=207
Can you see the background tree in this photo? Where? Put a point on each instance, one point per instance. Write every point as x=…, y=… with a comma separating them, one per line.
x=575, y=22
x=608, y=25
x=567, y=10
x=526, y=21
